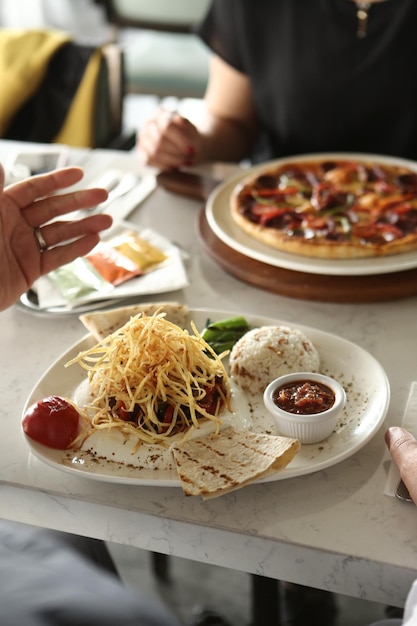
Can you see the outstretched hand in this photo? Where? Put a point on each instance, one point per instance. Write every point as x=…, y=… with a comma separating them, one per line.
x=403, y=449
x=29, y=206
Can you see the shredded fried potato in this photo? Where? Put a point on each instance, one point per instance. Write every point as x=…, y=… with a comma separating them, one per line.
x=152, y=379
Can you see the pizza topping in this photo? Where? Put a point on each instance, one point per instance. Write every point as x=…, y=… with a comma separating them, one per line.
x=325, y=197
x=408, y=182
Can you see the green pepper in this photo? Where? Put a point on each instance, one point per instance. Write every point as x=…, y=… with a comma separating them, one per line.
x=287, y=181
x=223, y=334
x=344, y=224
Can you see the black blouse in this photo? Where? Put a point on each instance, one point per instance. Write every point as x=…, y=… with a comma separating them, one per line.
x=319, y=87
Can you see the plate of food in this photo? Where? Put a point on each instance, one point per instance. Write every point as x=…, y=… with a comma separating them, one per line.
x=332, y=214
x=205, y=400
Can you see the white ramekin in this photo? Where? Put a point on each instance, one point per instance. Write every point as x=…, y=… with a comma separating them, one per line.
x=310, y=428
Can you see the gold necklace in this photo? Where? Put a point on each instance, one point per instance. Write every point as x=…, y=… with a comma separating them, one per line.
x=362, y=13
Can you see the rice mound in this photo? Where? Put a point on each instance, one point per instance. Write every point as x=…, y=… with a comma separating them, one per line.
x=268, y=352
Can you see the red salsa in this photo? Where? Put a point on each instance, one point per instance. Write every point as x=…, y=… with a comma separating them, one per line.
x=304, y=397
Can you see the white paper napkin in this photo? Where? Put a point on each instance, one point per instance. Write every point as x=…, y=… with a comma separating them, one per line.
x=409, y=422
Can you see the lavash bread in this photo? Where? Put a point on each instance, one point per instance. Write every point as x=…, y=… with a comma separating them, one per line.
x=101, y=324
x=267, y=352
x=217, y=464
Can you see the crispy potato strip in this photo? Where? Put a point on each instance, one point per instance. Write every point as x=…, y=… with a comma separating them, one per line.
x=147, y=364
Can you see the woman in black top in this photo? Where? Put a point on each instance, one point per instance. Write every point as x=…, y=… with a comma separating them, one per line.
x=299, y=76
x=291, y=77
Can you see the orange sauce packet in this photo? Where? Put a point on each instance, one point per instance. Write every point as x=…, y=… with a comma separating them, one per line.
x=112, y=265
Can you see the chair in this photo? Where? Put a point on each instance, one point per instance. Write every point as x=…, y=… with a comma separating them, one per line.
x=58, y=91
x=162, y=55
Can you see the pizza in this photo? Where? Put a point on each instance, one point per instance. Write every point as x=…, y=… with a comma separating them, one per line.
x=330, y=208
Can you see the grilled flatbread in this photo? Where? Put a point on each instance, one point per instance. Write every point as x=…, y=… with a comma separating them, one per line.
x=101, y=324
x=216, y=464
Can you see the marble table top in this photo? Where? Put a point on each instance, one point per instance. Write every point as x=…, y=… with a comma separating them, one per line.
x=333, y=529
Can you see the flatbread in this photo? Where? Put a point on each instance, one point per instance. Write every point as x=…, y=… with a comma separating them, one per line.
x=217, y=464
x=101, y=324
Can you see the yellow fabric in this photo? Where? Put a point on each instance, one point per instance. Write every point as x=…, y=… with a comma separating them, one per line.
x=78, y=127
x=24, y=57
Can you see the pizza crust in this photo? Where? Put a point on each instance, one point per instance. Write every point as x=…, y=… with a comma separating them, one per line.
x=317, y=249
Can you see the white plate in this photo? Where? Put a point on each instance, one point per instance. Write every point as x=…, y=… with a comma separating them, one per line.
x=28, y=302
x=221, y=222
x=364, y=379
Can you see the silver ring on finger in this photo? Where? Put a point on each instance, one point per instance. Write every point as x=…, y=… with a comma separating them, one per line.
x=40, y=239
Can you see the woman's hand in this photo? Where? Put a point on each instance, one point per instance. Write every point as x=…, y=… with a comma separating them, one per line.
x=403, y=449
x=30, y=246
x=168, y=141
x=226, y=131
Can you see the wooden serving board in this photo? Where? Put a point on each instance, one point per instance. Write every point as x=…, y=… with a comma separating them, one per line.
x=303, y=285
x=300, y=285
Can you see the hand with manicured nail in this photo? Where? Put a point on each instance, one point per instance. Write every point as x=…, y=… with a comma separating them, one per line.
x=168, y=141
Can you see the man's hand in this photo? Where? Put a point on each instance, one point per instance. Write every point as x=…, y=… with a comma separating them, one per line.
x=403, y=449
x=31, y=243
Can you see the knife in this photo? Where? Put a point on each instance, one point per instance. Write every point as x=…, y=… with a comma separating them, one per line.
x=110, y=181
x=125, y=184
x=410, y=424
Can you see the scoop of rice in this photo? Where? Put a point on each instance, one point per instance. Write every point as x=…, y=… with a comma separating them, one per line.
x=265, y=353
